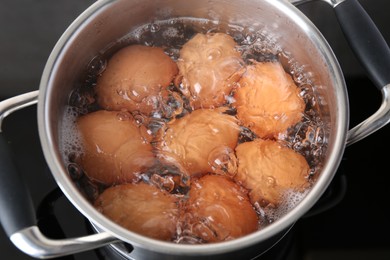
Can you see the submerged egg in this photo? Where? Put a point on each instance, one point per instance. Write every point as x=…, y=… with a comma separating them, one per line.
x=268, y=100
x=114, y=147
x=192, y=139
x=218, y=210
x=141, y=208
x=210, y=67
x=133, y=79
x=269, y=169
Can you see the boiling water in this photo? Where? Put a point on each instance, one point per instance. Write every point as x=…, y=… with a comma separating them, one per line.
x=307, y=137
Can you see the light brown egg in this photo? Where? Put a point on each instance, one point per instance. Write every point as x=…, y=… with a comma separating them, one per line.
x=268, y=100
x=133, y=79
x=115, y=148
x=210, y=66
x=218, y=210
x=199, y=140
x=141, y=208
x=269, y=169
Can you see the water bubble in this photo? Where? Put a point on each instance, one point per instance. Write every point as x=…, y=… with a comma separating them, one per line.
x=90, y=188
x=149, y=42
x=139, y=118
x=171, y=32
x=96, y=67
x=172, y=105
x=270, y=181
x=246, y=135
x=213, y=53
x=188, y=240
x=320, y=136
x=81, y=100
x=99, y=67
x=298, y=77
x=154, y=27
x=249, y=39
x=75, y=171
x=129, y=91
x=146, y=134
x=169, y=174
x=223, y=161
x=124, y=115
x=121, y=91
x=155, y=124
x=165, y=182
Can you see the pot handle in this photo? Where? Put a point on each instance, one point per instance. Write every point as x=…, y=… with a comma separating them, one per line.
x=372, y=51
x=16, y=207
x=17, y=214
x=365, y=40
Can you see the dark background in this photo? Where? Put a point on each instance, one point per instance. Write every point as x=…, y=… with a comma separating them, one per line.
x=358, y=227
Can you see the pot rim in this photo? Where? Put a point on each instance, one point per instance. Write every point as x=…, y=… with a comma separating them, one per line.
x=55, y=161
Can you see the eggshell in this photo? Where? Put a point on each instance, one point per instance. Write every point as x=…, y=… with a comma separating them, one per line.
x=198, y=139
x=210, y=67
x=114, y=148
x=268, y=100
x=133, y=79
x=269, y=169
x=218, y=210
x=141, y=208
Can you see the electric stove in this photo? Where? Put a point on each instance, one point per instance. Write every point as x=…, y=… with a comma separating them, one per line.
x=351, y=220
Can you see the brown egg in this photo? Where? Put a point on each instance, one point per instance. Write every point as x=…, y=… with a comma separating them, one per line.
x=268, y=100
x=269, y=169
x=210, y=66
x=141, y=208
x=133, y=79
x=115, y=148
x=218, y=210
x=199, y=140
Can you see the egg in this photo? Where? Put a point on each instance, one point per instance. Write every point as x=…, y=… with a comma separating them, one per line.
x=219, y=210
x=268, y=169
x=268, y=100
x=134, y=78
x=210, y=67
x=141, y=208
x=199, y=140
x=114, y=148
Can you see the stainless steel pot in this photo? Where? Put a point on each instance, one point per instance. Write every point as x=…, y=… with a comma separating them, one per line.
x=108, y=20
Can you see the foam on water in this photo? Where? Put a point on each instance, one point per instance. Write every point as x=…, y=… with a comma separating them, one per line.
x=71, y=144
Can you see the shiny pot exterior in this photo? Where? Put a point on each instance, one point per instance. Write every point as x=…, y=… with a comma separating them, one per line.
x=106, y=21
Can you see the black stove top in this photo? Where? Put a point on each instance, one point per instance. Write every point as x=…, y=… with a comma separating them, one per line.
x=356, y=226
